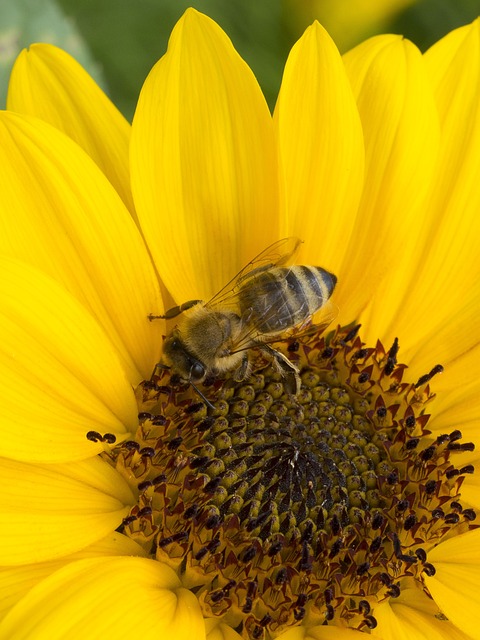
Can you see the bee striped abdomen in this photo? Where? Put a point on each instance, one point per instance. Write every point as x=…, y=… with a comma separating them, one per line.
x=284, y=297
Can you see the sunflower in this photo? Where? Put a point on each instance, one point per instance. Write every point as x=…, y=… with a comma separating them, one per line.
x=137, y=505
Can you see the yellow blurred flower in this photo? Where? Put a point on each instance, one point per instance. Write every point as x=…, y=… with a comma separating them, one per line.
x=373, y=160
x=348, y=21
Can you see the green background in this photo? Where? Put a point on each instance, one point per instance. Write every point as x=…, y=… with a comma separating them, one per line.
x=118, y=41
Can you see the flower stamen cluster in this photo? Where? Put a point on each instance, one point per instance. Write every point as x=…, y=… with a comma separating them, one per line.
x=277, y=509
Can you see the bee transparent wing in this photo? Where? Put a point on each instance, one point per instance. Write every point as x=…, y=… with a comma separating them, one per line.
x=250, y=332
x=277, y=254
x=313, y=324
x=317, y=323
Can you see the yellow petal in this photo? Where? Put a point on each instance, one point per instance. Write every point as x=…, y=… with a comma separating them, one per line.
x=413, y=616
x=455, y=345
x=453, y=341
x=322, y=632
x=61, y=376
x=16, y=582
x=321, y=149
x=456, y=408
x=48, y=511
x=48, y=83
x=335, y=633
x=204, y=165
x=107, y=598
x=216, y=630
x=401, y=131
x=61, y=214
x=449, y=267
x=114, y=544
x=454, y=586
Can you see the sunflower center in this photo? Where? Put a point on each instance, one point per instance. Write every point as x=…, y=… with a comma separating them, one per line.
x=276, y=509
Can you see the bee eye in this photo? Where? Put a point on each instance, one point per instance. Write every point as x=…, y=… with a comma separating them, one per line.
x=197, y=371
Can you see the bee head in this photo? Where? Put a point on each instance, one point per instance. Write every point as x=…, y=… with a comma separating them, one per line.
x=180, y=360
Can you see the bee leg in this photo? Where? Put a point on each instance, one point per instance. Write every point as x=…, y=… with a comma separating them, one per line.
x=174, y=311
x=242, y=371
x=286, y=368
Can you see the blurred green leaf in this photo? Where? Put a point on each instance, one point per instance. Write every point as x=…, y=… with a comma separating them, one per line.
x=23, y=22
x=429, y=20
x=121, y=40
x=130, y=36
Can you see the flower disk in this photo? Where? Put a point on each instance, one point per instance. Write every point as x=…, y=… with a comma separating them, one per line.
x=276, y=509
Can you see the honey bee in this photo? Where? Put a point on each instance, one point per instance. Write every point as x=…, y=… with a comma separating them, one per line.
x=265, y=301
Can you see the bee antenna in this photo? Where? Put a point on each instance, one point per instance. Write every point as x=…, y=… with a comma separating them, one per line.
x=197, y=390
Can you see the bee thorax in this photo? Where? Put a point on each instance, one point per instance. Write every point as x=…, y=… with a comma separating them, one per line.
x=202, y=340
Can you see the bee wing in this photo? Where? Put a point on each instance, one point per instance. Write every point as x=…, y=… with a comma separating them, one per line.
x=316, y=323
x=277, y=254
x=321, y=320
